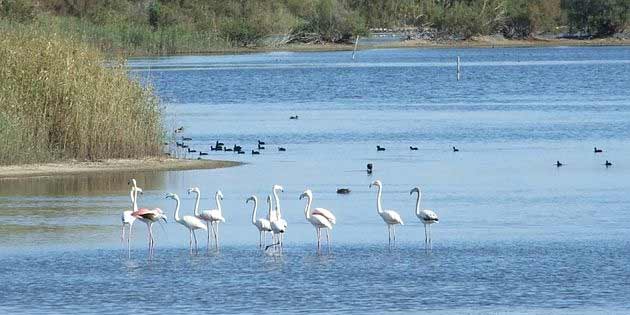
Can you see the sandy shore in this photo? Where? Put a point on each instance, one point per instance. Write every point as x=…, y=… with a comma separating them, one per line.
x=122, y=165
x=474, y=42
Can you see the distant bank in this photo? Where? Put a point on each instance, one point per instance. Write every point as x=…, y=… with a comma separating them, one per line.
x=112, y=165
x=474, y=42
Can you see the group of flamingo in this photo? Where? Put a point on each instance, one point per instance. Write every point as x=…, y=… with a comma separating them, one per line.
x=209, y=220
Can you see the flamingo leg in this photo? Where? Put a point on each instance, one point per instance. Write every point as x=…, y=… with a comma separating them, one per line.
x=430, y=238
x=389, y=234
x=122, y=233
x=195, y=238
x=216, y=237
x=190, y=241
x=328, y=239
x=394, y=230
x=318, y=237
x=426, y=237
x=129, y=241
x=208, y=229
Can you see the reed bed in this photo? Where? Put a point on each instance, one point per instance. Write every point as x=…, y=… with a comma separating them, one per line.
x=62, y=99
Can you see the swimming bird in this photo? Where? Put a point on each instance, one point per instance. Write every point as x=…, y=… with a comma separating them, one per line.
x=596, y=150
x=192, y=223
x=369, y=168
x=294, y=117
x=558, y=164
x=390, y=217
x=455, y=149
x=412, y=148
x=242, y=152
x=608, y=163
x=237, y=148
x=281, y=149
x=261, y=142
x=179, y=130
x=320, y=218
x=191, y=150
x=260, y=147
x=426, y=216
x=186, y=139
x=212, y=217
x=255, y=152
x=263, y=225
x=343, y=191
x=379, y=148
x=203, y=153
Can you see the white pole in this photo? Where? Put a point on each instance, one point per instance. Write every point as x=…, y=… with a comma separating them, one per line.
x=356, y=44
x=459, y=68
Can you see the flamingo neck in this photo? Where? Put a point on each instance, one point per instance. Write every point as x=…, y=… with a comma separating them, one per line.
x=379, y=208
x=270, y=217
x=177, y=210
x=277, y=200
x=197, y=203
x=134, y=205
x=418, y=204
x=216, y=198
x=307, y=209
x=254, y=211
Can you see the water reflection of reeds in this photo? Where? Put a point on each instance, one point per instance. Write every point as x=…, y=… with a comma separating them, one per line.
x=81, y=184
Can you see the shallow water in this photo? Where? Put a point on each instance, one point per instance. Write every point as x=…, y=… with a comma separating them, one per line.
x=516, y=234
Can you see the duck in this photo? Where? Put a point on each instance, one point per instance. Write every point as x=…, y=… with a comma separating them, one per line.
x=379, y=148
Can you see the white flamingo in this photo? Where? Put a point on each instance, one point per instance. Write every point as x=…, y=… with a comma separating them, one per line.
x=211, y=217
x=275, y=217
x=149, y=217
x=192, y=223
x=391, y=217
x=318, y=219
x=426, y=216
x=263, y=225
x=277, y=228
x=128, y=219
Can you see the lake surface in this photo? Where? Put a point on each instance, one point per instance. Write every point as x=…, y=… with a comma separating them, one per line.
x=516, y=235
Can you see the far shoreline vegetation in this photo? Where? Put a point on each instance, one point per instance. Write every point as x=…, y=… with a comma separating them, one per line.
x=169, y=27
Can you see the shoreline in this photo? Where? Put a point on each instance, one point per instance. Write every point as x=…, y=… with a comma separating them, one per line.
x=110, y=165
x=474, y=42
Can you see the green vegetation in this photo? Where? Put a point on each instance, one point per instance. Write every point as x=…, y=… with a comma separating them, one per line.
x=61, y=99
x=184, y=26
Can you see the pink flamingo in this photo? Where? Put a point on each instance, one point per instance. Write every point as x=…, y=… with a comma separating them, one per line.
x=149, y=216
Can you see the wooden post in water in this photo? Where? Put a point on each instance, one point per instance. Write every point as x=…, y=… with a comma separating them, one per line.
x=356, y=44
x=459, y=68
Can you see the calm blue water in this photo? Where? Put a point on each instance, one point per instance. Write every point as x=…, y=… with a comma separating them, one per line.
x=516, y=234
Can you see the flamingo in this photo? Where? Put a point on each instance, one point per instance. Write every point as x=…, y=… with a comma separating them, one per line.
x=277, y=217
x=192, y=223
x=391, y=217
x=320, y=218
x=211, y=217
x=149, y=216
x=127, y=219
x=277, y=228
x=263, y=225
x=426, y=216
